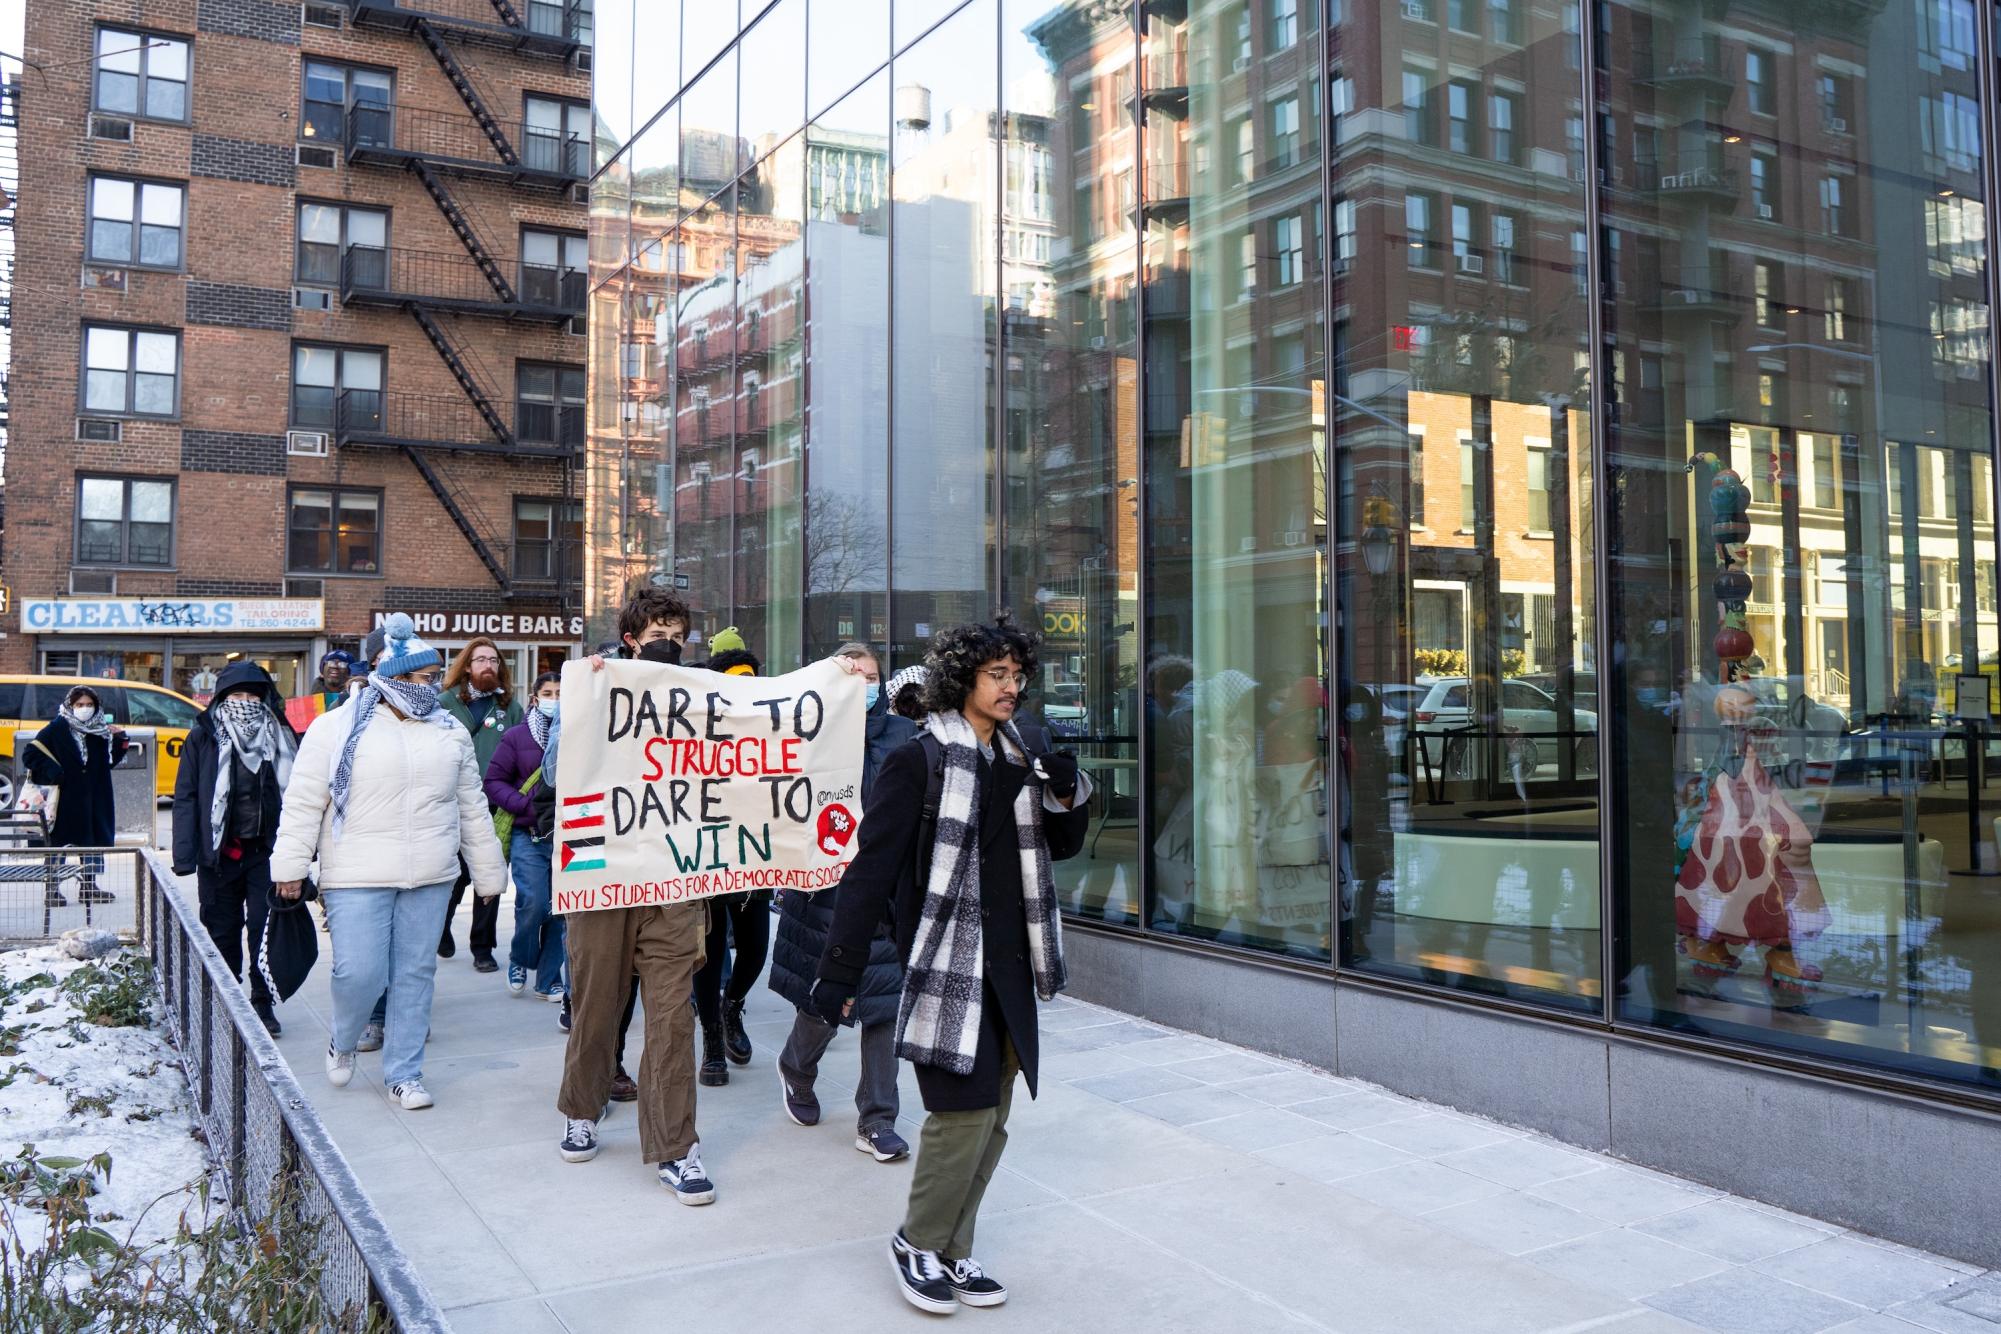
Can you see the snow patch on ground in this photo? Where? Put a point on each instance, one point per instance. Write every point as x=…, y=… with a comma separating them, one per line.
x=74, y=1089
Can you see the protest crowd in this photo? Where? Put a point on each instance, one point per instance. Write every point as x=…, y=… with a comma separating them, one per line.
x=930, y=813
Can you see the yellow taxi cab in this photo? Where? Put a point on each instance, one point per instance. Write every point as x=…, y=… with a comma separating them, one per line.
x=29, y=701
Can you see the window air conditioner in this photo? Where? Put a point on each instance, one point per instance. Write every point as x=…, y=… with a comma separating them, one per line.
x=307, y=444
x=1765, y=212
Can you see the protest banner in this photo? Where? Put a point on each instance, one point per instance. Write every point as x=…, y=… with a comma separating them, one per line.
x=674, y=784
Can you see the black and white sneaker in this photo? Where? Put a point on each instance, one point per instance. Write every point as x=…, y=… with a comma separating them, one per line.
x=921, y=1276
x=971, y=1285
x=800, y=1104
x=580, y=1141
x=882, y=1143
x=685, y=1177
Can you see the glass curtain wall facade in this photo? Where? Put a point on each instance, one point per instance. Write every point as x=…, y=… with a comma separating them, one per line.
x=1507, y=489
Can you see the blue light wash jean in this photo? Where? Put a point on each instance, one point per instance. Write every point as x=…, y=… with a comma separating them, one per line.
x=538, y=933
x=386, y=937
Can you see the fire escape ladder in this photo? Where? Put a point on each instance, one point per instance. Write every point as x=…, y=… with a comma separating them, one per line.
x=461, y=511
x=455, y=362
x=462, y=227
x=508, y=13
x=470, y=94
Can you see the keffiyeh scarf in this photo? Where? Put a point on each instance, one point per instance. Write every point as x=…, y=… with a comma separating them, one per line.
x=538, y=727
x=409, y=698
x=938, y=1020
x=246, y=730
x=99, y=726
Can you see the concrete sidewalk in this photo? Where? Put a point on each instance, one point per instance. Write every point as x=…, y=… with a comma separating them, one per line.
x=1161, y=1182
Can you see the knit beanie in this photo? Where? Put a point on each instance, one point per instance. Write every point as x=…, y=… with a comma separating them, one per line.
x=724, y=640
x=407, y=653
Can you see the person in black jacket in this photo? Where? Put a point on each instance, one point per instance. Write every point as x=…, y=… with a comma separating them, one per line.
x=234, y=766
x=73, y=755
x=976, y=928
x=803, y=924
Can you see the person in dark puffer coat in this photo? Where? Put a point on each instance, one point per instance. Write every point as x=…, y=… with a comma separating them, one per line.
x=804, y=921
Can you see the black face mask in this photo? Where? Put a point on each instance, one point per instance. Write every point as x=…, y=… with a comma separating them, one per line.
x=662, y=650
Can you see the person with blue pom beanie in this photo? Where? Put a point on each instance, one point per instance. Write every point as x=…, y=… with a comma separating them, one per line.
x=387, y=795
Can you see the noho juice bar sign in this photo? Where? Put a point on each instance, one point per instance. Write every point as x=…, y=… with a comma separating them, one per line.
x=493, y=624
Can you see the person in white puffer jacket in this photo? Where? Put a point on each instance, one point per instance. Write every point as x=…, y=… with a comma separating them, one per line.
x=386, y=794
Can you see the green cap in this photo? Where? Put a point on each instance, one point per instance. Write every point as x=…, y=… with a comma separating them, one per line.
x=722, y=641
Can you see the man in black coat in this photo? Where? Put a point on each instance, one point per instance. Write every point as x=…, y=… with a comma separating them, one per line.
x=234, y=765
x=73, y=756
x=966, y=875
x=804, y=921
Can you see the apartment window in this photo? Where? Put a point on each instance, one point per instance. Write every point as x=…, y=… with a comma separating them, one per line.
x=329, y=231
x=1285, y=132
x=547, y=536
x=1417, y=476
x=1835, y=105
x=1243, y=35
x=1538, y=460
x=1247, y=152
x=124, y=521
x=1945, y=32
x=552, y=268
x=1826, y=483
x=1949, y=132
x=1580, y=262
x=1983, y=496
x=1501, y=22
x=549, y=407
x=1420, y=230
x=1573, y=142
x=1341, y=100
x=1459, y=117
x=1247, y=263
x=1469, y=464
x=1768, y=297
x=328, y=90
x=1289, y=250
x=1502, y=228
x=1284, y=24
x=1502, y=112
x=1765, y=186
x=1834, y=205
x=1417, y=127
x=1840, y=292
x=137, y=223
x=1344, y=233
x=1463, y=15
x=556, y=136
x=336, y=386
x=333, y=531
x=1464, y=252
x=131, y=372
x=1758, y=73
x=139, y=74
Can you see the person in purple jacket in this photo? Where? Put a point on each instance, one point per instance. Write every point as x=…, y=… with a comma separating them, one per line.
x=512, y=777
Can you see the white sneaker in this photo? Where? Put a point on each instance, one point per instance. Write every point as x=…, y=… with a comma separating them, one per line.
x=340, y=1067
x=413, y=1095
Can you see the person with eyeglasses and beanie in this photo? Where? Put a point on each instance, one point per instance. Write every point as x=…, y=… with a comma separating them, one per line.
x=957, y=839
x=227, y=797
x=478, y=692
x=386, y=794
x=739, y=920
x=518, y=769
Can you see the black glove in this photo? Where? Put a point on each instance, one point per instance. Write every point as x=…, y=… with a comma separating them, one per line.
x=830, y=1000
x=1058, y=771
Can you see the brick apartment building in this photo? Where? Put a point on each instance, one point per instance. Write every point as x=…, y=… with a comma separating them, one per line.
x=298, y=336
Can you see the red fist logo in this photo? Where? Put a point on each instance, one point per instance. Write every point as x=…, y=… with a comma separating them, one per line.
x=837, y=828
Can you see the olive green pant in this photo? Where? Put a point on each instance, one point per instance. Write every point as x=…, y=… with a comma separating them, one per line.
x=956, y=1156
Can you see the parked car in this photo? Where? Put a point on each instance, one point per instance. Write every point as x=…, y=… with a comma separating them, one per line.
x=26, y=702
x=1527, y=711
x=1583, y=687
x=1063, y=708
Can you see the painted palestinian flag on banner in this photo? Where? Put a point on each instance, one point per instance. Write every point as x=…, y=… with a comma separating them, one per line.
x=581, y=830
x=301, y=710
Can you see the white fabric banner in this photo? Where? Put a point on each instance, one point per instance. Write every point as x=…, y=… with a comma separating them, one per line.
x=675, y=784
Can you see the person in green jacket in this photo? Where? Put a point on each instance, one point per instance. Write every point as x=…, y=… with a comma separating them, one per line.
x=478, y=692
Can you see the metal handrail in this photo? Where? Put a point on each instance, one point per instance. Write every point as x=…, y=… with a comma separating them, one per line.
x=235, y=1071
x=456, y=138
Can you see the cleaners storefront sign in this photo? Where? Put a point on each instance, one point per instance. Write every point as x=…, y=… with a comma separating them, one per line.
x=171, y=616
x=675, y=784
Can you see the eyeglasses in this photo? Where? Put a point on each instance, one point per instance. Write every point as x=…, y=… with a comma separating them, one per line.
x=485, y=660
x=427, y=678
x=1000, y=676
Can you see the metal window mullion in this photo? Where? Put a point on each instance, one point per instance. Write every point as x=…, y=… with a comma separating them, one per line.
x=1325, y=245
x=1609, y=840
x=1985, y=43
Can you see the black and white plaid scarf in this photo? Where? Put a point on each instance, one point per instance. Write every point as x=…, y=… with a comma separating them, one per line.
x=938, y=1022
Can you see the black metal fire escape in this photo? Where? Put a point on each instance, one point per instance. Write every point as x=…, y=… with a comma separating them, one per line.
x=468, y=93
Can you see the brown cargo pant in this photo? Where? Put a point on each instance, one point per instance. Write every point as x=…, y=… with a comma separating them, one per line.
x=664, y=945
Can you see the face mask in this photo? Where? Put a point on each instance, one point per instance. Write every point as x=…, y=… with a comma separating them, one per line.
x=661, y=650
x=873, y=693
x=1652, y=696
x=84, y=712
x=548, y=707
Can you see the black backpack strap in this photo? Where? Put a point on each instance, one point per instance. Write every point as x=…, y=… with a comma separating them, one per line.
x=934, y=791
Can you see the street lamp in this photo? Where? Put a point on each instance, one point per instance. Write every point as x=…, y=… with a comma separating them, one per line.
x=1378, y=549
